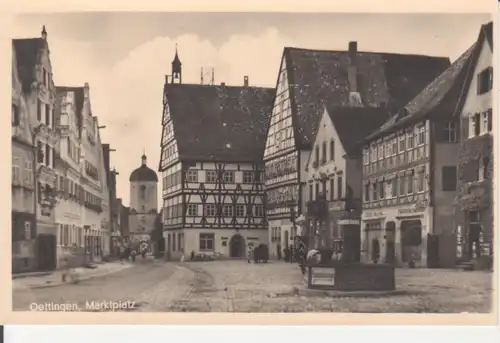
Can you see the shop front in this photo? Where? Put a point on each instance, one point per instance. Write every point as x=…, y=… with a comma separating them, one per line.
x=372, y=236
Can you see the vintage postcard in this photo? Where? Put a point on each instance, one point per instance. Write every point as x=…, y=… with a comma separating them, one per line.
x=179, y=163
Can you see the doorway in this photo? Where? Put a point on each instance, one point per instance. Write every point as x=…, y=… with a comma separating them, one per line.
x=237, y=246
x=46, y=251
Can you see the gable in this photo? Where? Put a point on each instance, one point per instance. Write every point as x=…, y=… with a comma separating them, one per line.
x=23, y=130
x=475, y=102
x=326, y=132
x=280, y=135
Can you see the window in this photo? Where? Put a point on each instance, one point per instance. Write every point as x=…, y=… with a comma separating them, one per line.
x=259, y=211
x=339, y=187
x=420, y=182
x=402, y=188
x=449, y=178
x=210, y=210
x=367, y=192
x=421, y=135
x=47, y=115
x=240, y=210
x=332, y=150
x=27, y=230
x=211, y=176
x=192, y=176
x=402, y=145
x=375, y=191
x=39, y=110
x=316, y=155
x=476, y=123
x=227, y=210
x=28, y=173
x=16, y=169
x=484, y=127
x=409, y=140
x=394, y=187
x=332, y=189
x=485, y=81
x=192, y=210
x=142, y=192
x=490, y=120
x=15, y=115
x=311, y=194
x=316, y=190
x=206, y=241
x=410, y=181
x=228, y=177
x=247, y=177
x=382, y=189
x=173, y=241
x=450, y=132
x=483, y=169
x=323, y=153
x=381, y=151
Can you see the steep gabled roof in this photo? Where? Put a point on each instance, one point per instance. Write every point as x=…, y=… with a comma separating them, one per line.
x=220, y=123
x=319, y=77
x=355, y=123
x=79, y=100
x=27, y=51
x=446, y=93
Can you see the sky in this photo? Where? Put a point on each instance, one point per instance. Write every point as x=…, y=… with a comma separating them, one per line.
x=124, y=56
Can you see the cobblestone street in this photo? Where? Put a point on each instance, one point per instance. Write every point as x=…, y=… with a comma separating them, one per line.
x=236, y=286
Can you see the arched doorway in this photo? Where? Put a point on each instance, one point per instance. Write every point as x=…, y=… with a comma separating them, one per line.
x=237, y=246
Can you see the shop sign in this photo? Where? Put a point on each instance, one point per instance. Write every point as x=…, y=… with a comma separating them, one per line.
x=410, y=210
x=322, y=277
x=371, y=214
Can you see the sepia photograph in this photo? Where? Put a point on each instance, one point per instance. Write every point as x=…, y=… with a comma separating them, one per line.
x=252, y=162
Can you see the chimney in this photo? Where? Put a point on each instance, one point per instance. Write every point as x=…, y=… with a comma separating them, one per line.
x=352, y=76
x=44, y=33
x=353, y=47
x=222, y=84
x=245, y=81
x=166, y=78
x=86, y=90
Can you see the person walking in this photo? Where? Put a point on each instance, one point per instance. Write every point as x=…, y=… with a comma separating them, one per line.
x=249, y=254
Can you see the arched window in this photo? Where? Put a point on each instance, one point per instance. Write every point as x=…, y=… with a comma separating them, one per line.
x=142, y=192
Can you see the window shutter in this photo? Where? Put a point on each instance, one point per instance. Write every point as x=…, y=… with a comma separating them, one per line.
x=490, y=120
x=478, y=81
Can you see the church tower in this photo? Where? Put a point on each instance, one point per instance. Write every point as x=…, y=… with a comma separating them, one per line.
x=176, y=68
x=143, y=201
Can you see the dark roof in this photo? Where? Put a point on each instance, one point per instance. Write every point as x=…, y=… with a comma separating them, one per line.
x=319, y=77
x=79, y=100
x=353, y=124
x=446, y=93
x=27, y=51
x=487, y=30
x=220, y=123
x=143, y=173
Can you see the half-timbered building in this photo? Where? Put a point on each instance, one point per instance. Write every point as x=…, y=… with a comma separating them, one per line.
x=475, y=202
x=307, y=80
x=211, y=163
x=410, y=177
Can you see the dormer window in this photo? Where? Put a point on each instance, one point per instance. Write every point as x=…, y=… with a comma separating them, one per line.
x=485, y=81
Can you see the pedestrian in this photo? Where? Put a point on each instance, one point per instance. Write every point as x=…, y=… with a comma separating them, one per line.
x=286, y=254
x=122, y=252
x=249, y=254
x=279, y=251
x=132, y=254
x=192, y=255
x=291, y=253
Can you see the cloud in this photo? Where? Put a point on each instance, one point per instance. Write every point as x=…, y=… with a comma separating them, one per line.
x=127, y=97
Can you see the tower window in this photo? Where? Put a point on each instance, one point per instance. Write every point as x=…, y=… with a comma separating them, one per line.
x=142, y=192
